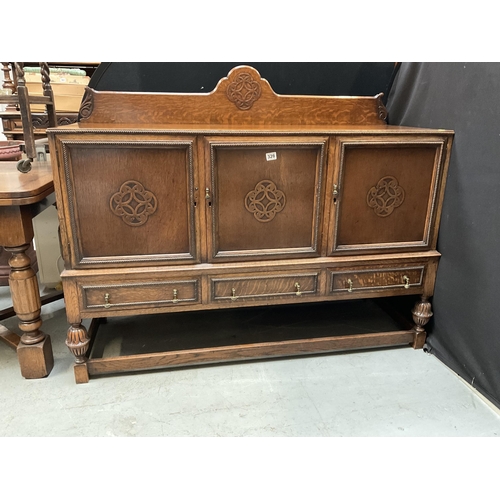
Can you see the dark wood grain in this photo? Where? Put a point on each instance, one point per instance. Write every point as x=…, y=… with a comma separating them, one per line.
x=295, y=172
x=249, y=199
x=414, y=166
x=247, y=351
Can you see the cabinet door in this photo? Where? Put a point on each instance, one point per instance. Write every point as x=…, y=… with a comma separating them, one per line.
x=264, y=197
x=385, y=194
x=130, y=200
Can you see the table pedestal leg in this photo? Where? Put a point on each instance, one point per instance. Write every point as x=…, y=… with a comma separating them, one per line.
x=35, y=349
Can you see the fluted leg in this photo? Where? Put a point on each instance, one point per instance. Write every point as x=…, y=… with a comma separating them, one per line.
x=78, y=341
x=34, y=350
x=422, y=313
x=25, y=295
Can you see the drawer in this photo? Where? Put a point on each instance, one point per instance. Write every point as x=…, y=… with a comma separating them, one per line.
x=126, y=296
x=365, y=280
x=244, y=288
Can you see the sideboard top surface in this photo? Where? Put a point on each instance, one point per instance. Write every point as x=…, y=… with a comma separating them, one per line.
x=225, y=129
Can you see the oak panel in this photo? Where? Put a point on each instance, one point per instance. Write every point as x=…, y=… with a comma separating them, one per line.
x=264, y=287
x=127, y=296
x=387, y=194
x=266, y=197
x=352, y=281
x=130, y=201
x=243, y=97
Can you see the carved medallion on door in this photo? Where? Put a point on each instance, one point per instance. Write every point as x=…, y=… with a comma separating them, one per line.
x=265, y=201
x=133, y=203
x=385, y=196
x=266, y=197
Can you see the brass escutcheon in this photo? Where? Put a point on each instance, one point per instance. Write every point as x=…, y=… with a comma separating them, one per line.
x=298, y=292
x=407, y=281
x=349, y=282
x=175, y=299
x=107, y=305
x=233, y=294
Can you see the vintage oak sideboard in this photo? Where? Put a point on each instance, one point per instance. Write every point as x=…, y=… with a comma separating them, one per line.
x=242, y=197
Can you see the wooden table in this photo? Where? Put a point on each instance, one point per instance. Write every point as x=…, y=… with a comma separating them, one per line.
x=22, y=196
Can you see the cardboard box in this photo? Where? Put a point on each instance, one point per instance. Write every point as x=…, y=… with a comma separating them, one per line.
x=68, y=91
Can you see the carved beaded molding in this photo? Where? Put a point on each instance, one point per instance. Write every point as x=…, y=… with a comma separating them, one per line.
x=243, y=91
x=265, y=201
x=386, y=196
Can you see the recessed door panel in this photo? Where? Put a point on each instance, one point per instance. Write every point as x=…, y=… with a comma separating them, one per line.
x=386, y=195
x=131, y=202
x=265, y=198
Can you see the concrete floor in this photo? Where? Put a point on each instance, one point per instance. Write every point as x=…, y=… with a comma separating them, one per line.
x=391, y=392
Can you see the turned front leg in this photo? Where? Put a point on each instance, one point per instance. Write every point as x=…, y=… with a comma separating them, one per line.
x=78, y=343
x=422, y=313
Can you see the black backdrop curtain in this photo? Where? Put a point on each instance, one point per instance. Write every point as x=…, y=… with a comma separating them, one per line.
x=312, y=78
x=465, y=97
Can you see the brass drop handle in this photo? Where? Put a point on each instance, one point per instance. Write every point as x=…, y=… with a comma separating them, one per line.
x=349, y=282
x=298, y=292
x=207, y=193
x=335, y=190
x=233, y=294
x=175, y=299
x=107, y=305
x=407, y=281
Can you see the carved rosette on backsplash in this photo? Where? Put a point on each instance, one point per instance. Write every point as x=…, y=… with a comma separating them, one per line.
x=385, y=196
x=133, y=203
x=243, y=91
x=87, y=105
x=265, y=201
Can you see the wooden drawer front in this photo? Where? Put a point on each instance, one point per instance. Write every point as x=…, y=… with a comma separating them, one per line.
x=404, y=278
x=264, y=287
x=140, y=295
